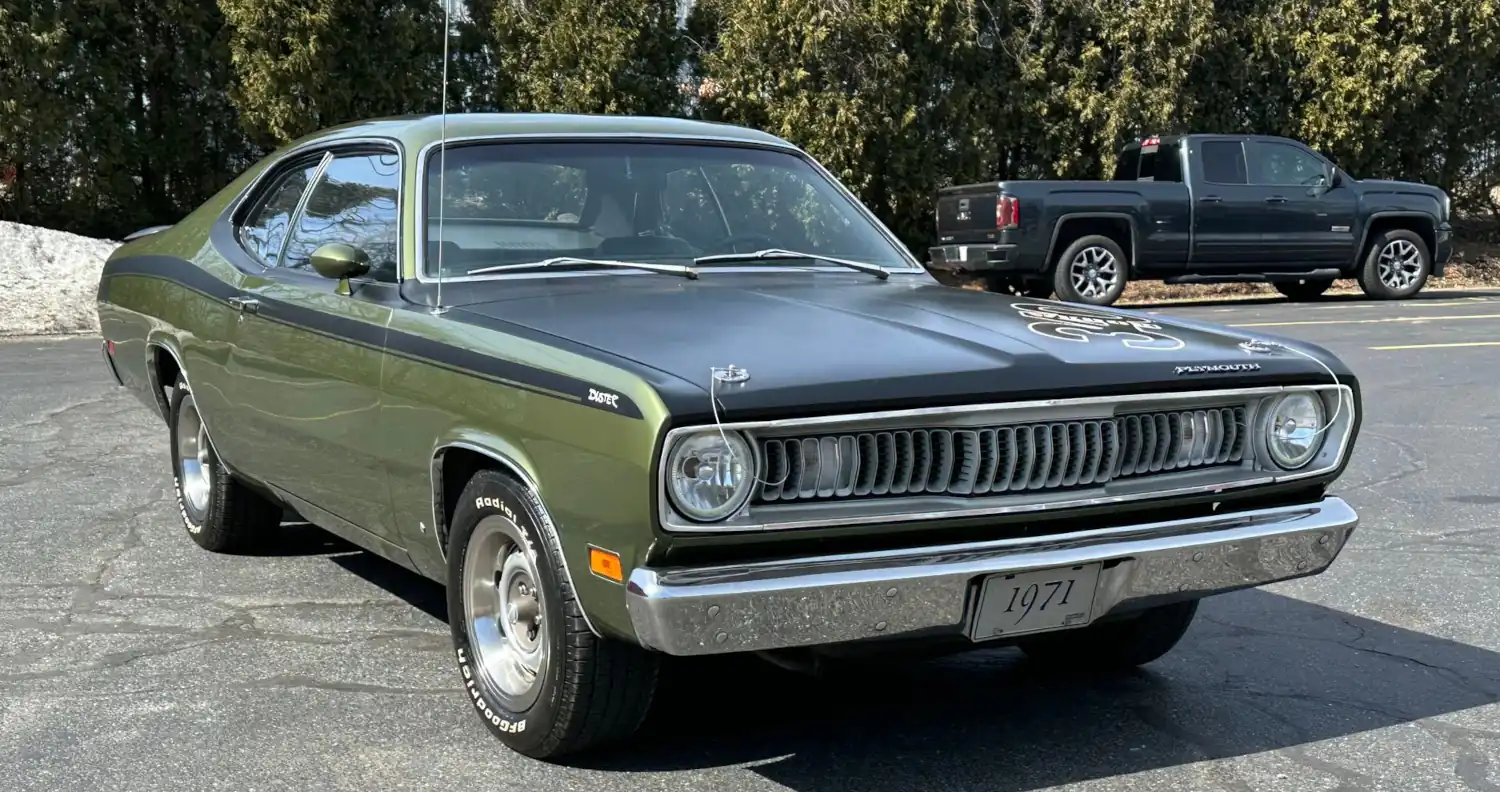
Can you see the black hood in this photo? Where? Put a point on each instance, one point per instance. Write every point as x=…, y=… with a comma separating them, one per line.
x=824, y=343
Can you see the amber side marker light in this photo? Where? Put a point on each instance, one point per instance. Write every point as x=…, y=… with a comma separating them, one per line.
x=606, y=564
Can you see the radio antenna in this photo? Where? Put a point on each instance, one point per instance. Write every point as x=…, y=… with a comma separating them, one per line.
x=438, y=309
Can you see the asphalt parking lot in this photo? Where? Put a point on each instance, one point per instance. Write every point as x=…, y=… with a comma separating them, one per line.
x=132, y=660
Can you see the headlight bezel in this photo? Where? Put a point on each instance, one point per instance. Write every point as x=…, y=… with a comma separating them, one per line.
x=1272, y=407
x=734, y=506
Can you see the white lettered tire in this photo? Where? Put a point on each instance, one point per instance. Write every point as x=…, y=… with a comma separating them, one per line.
x=220, y=513
x=532, y=671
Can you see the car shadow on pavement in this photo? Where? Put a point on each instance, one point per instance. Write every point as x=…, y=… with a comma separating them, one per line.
x=1257, y=672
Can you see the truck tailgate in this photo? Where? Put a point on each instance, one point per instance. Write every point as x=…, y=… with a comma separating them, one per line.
x=962, y=212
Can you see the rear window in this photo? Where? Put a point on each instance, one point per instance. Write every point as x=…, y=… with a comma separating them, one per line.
x=1154, y=161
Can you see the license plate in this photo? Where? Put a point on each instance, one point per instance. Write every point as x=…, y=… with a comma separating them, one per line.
x=1029, y=602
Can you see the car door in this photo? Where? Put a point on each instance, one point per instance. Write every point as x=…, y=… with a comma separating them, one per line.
x=1229, y=217
x=307, y=359
x=1312, y=222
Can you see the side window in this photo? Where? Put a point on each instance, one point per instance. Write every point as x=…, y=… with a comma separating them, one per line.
x=1284, y=165
x=354, y=203
x=266, y=227
x=1224, y=162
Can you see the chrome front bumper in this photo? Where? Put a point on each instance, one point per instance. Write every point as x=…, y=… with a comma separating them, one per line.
x=932, y=591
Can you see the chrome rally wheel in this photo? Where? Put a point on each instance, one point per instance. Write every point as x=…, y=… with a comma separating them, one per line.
x=503, y=611
x=194, y=465
x=532, y=668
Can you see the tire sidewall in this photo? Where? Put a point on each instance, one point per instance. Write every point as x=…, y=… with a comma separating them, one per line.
x=195, y=527
x=486, y=495
x=1372, y=282
x=1062, y=281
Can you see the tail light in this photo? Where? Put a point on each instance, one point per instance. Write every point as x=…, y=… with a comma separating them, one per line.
x=1007, y=212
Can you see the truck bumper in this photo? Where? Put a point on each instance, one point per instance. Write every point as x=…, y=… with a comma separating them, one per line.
x=936, y=591
x=1443, y=251
x=978, y=258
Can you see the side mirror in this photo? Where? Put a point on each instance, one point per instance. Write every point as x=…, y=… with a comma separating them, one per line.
x=340, y=261
x=1337, y=180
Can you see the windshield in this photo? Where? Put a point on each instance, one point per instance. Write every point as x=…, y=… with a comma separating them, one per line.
x=520, y=203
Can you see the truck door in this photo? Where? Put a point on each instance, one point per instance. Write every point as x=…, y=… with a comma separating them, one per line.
x=1229, y=214
x=1312, y=222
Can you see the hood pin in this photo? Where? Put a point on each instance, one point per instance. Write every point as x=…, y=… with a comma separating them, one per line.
x=731, y=375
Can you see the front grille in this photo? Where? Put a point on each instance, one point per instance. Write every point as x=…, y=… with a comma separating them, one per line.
x=981, y=461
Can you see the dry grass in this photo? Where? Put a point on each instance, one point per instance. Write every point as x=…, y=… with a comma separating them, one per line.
x=1474, y=266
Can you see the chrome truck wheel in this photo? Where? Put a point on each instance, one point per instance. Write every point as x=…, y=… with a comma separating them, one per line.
x=1396, y=266
x=1091, y=271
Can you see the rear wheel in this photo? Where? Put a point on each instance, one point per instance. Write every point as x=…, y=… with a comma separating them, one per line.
x=538, y=677
x=1035, y=288
x=220, y=513
x=1091, y=271
x=1114, y=645
x=1396, y=266
x=1307, y=289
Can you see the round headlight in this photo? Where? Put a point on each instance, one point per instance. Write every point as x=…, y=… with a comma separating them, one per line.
x=1295, y=430
x=710, y=475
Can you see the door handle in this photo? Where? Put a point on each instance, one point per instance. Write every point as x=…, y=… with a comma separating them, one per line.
x=244, y=304
x=1210, y=199
x=1276, y=199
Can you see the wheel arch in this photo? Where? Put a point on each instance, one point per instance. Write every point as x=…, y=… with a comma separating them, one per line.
x=1073, y=226
x=454, y=462
x=1420, y=223
x=163, y=365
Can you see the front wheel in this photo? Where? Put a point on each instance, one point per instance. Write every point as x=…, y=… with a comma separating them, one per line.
x=1114, y=645
x=1091, y=271
x=1397, y=265
x=539, y=679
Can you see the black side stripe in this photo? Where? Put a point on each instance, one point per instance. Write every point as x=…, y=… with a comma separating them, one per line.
x=376, y=337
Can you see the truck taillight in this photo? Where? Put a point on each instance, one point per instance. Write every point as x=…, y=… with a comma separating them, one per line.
x=1007, y=212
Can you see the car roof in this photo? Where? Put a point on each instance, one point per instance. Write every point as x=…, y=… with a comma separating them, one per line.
x=416, y=131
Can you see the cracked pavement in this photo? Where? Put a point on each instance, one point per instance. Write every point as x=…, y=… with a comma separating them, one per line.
x=132, y=660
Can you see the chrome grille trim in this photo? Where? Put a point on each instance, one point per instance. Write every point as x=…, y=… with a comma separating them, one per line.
x=994, y=460
x=987, y=450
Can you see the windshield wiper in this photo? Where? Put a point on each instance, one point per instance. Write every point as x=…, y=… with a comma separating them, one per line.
x=569, y=261
x=777, y=253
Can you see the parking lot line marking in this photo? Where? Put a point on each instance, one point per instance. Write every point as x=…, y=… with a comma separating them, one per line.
x=1385, y=320
x=1439, y=346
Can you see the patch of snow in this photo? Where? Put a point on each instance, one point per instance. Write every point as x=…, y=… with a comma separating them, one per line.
x=49, y=280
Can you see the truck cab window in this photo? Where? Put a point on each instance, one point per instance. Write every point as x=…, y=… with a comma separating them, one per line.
x=1224, y=162
x=1283, y=165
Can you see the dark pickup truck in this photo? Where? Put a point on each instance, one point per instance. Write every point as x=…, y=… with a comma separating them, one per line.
x=1197, y=209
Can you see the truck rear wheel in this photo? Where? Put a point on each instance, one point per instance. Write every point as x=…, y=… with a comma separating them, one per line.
x=1302, y=290
x=1035, y=288
x=1396, y=266
x=1091, y=271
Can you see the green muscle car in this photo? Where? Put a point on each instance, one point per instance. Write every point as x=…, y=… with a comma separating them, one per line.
x=634, y=387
